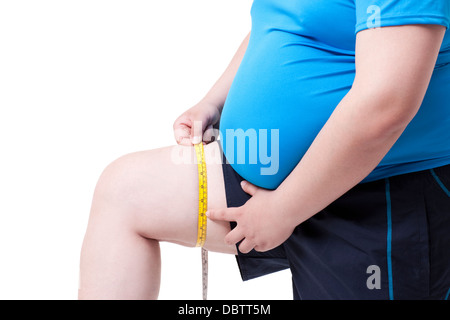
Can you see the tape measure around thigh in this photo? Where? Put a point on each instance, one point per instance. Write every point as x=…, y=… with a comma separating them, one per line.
x=202, y=220
x=202, y=195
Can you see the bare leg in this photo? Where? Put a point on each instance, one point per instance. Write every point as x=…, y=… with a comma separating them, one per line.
x=141, y=199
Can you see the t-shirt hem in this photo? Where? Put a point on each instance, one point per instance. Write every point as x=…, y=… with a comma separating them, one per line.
x=406, y=20
x=388, y=171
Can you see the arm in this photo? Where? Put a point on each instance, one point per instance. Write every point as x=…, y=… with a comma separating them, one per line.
x=218, y=93
x=207, y=111
x=393, y=69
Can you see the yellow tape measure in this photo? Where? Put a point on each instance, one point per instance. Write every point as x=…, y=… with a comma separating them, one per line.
x=202, y=195
x=202, y=208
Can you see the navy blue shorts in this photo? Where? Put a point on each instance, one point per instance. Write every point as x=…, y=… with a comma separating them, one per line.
x=386, y=239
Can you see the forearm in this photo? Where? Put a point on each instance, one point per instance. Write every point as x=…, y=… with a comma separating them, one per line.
x=351, y=144
x=219, y=91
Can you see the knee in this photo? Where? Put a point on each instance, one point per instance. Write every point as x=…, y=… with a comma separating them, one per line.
x=117, y=184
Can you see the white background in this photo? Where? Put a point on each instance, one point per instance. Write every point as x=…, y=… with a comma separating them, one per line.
x=83, y=82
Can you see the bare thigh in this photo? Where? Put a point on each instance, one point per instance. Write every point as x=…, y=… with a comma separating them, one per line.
x=159, y=190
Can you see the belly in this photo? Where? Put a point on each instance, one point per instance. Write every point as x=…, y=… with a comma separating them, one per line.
x=281, y=97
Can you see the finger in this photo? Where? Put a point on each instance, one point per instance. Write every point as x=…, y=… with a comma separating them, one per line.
x=208, y=135
x=227, y=214
x=197, y=132
x=246, y=246
x=234, y=236
x=249, y=187
x=185, y=141
x=182, y=133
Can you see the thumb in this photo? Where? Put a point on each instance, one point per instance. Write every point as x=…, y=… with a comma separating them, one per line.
x=248, y=187
x=197, y=132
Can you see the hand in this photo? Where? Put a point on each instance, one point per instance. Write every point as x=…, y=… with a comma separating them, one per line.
x=261, y=221
x=196, y=124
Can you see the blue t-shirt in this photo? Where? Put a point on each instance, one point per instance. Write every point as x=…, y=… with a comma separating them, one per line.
x=300, y=63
